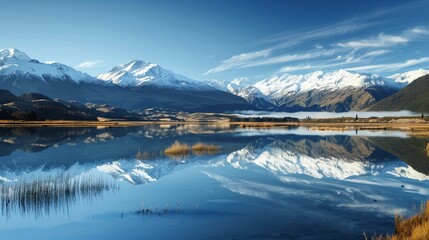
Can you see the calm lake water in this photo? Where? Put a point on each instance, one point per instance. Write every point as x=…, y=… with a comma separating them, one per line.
x=321, y=115
x=285, y=183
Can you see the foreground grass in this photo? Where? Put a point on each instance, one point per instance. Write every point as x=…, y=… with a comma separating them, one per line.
x=41, y=196
x=414, y=228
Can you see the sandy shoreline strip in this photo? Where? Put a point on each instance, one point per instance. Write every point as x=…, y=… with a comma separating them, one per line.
x=316, y=125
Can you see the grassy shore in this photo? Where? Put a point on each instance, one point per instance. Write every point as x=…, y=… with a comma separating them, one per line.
x=413, y=228
x=413, y=124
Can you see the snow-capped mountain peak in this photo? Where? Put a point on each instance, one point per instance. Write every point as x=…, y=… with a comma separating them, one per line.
x=317, y=90
x=407, y=77
x=13, y=61
x=280, y=85
x=141, y=73
x=134, y=73
x=13, y=54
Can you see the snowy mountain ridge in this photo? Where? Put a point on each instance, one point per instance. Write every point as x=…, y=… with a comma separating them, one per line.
x=337, y=91
x=141, y=73
x=13, y=61
x=410, y=76
x=281, y=85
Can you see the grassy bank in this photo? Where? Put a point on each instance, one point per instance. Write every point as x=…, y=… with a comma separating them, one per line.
x=413, y=228
x=416, y=125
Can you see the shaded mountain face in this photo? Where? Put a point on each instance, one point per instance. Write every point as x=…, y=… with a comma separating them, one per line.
x=410, y=150
x=341, y=100
x=35, y=106
x=337, y=91
x=137, y=85
x=414, y=97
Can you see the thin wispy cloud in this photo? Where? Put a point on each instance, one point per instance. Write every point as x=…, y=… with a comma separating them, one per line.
x=320, y=66
x=258, y=59
x=291, y=57
x=391, y=66
x=90, y=64
x=339, y=61
x=295, y=68
x=381, y=40
x=348, y=26
x=384, y=40
x=352, y=52
x=375, y=53
x=422, y=31
x=326, y=46
x=239, y=61
x=288, y=39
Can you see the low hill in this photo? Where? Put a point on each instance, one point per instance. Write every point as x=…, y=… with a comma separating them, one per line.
x=35, y=106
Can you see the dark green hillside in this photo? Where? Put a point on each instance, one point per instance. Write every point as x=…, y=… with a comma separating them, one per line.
x=35, y=106
x=414, y=97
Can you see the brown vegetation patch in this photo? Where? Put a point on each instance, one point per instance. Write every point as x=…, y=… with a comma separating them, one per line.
x=414, y=228
x=177, y=149
x=201, y=148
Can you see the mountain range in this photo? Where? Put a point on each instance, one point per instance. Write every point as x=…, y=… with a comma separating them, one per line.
x=337, y=91
x=139, y=85
x=136, y=85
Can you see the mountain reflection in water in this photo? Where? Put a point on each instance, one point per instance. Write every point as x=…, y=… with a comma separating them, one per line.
x=340, y=184
x=26, y=149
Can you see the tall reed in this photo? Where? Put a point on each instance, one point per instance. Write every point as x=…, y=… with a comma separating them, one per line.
x=50, y=194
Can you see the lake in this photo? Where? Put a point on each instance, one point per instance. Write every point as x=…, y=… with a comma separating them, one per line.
x=278, y=183
x=322, y=115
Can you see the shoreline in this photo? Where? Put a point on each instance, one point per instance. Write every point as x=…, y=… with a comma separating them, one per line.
x=316, y=124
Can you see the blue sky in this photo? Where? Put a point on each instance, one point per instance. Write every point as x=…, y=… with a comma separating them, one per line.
x=207, y=39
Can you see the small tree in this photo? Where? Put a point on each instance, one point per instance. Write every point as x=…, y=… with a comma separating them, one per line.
x=356, y=117
x=423, y=116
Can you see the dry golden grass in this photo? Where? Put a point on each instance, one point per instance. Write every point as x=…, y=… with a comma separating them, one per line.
x=201, y=148
x=177, y=149
x=414, y=228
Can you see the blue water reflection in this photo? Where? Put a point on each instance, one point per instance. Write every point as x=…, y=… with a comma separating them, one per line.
x=289, y=183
